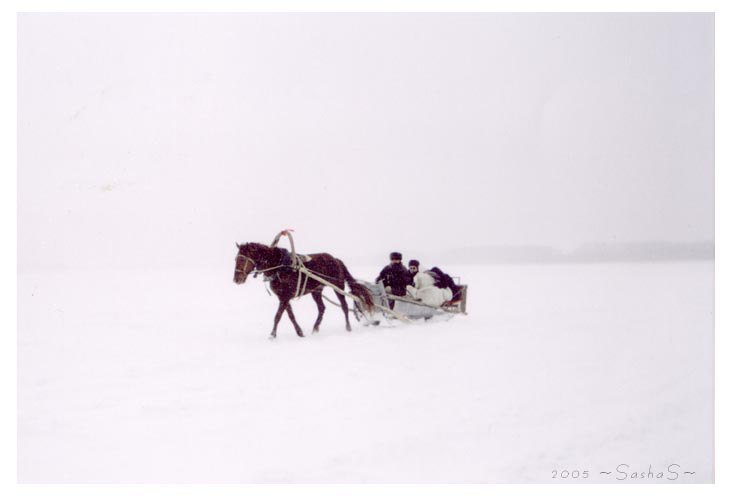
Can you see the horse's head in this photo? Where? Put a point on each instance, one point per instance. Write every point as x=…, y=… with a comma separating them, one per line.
x=244, y=263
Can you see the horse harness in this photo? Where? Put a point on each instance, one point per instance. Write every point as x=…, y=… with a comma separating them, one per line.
x=298, y=266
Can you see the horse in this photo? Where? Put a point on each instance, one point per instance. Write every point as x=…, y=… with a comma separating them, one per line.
x=288, y=282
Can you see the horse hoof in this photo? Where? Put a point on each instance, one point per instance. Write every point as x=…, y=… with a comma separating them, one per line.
x=315, y=330
x=300, y=333
x=348, y=328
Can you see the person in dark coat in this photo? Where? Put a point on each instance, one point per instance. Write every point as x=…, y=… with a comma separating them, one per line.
x=395, y=277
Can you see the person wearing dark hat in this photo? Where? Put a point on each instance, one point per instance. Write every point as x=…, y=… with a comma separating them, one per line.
x=414, y=267
x=395, y=277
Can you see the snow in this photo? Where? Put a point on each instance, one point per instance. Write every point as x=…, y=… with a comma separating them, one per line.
x=168, y=376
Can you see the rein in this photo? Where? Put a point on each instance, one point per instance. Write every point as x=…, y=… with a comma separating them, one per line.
x=255, y=270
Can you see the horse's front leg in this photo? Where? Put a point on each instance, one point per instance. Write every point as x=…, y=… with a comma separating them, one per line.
x=292, y=318
x=278, y=315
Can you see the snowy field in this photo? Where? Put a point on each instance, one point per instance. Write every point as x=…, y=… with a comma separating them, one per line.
x=169, y=376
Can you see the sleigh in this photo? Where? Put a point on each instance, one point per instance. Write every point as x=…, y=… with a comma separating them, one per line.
x=406, y=307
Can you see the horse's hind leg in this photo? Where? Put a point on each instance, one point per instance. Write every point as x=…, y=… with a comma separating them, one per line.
x=292, y=318
x=278, y=315
x=318, y=297
x=345, y=307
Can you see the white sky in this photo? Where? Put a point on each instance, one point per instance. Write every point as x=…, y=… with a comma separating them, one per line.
x=148, y=139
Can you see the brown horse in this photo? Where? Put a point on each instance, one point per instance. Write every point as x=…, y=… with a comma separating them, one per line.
x=275, y=264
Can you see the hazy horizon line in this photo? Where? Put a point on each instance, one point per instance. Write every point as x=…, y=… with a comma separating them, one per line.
x=593, y=252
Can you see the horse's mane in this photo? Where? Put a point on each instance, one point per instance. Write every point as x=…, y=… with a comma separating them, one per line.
x=282, y=253
x=259, y=247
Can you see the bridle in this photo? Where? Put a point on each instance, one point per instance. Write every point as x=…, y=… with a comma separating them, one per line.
x=254, y=269
x=242, y=271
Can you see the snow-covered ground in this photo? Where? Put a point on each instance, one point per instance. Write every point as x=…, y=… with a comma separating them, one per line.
x=169, y=376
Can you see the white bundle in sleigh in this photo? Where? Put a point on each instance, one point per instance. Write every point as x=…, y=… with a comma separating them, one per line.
x=426, y=292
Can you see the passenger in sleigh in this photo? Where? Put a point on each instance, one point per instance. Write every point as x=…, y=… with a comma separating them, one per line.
x=395, y=277
x=432, y=287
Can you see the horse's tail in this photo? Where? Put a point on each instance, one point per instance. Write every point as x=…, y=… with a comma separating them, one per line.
x=359, y=290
